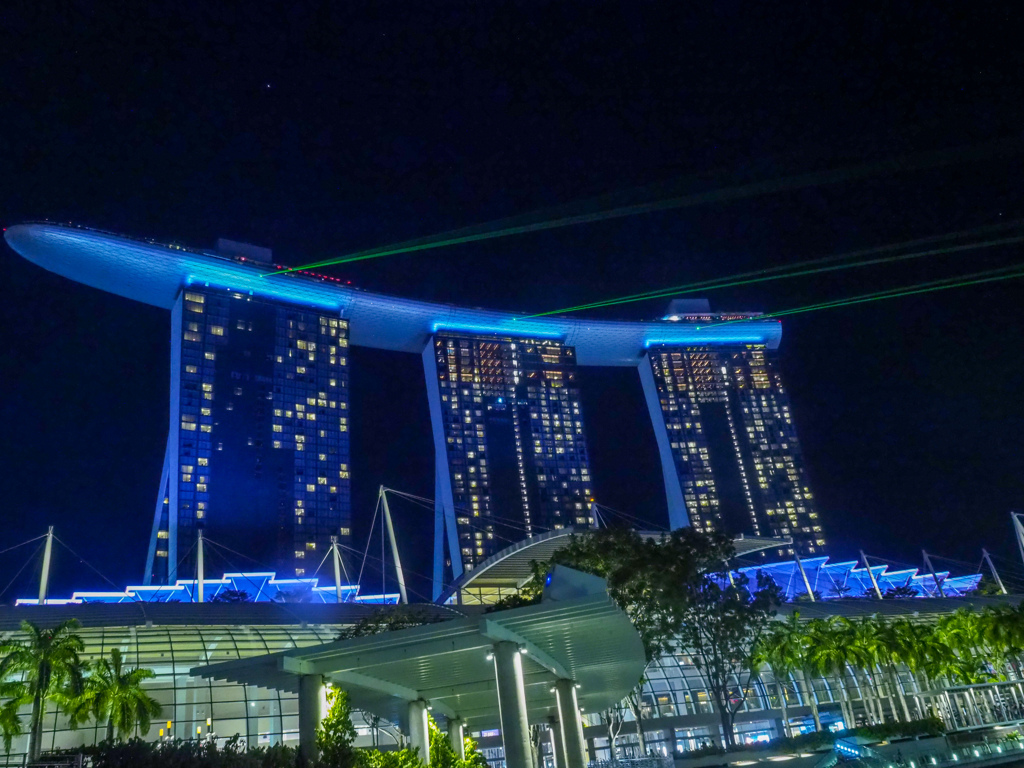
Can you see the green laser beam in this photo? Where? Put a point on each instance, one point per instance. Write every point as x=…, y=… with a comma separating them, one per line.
x=758, y=276
x=959, y=281
x=485, y=231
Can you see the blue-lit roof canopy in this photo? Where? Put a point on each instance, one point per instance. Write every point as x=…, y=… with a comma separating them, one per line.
x=260, y=587
x=154, y=274
x=830, y=581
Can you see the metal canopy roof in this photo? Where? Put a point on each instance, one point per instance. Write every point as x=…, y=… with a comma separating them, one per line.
x=154, y=273
x=587, y=640
x=511, y=567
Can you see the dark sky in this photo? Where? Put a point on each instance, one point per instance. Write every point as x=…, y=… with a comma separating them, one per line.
x=318, y=129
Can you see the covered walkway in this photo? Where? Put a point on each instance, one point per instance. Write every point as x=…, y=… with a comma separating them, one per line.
x=509, y=669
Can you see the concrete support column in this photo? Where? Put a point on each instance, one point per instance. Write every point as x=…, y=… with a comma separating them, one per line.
x=310, y=695
x=515, y=728
x=572, y=726
x=457, y=736
x=419, y=732
x=557, y=747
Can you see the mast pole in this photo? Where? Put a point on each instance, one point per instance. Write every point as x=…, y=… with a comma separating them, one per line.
x=394, y=547
x=44, y=579
x=871, y=575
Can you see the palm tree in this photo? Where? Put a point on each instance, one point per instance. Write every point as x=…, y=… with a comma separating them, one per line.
x=1003, y=628
x=828, y=654
x=863, y=649
x=962, y=631
x=893, y=650
x=49, y=660
x=114, y=692
x=781, y=649
x=13, y=694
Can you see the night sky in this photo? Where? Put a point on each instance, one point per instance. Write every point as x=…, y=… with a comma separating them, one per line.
x=318, y=129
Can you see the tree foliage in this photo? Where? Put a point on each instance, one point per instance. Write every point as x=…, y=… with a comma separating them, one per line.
x=49, y=662
x=232, y=596
x=336, y=736
x=190, y=753
x=113, y=694
x=651, y=579
x=721, y=626
x=391, y=619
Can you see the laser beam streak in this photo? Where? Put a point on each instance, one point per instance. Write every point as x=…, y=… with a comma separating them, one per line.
x=760, y=276
x=959, y=281
x=496, y=229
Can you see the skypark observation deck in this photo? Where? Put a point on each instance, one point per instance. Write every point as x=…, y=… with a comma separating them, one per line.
x=259, y=408
x=155, y=274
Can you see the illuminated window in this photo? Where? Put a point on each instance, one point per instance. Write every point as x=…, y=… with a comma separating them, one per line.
x=217, y=330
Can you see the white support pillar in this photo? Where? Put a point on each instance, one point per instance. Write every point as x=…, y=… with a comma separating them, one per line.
x=419, y=732
x=572, y=726
x=457, y=736
x=557, y=747
x=515, y=728
x=310, y=712
x=337, y=569
x=200, y=574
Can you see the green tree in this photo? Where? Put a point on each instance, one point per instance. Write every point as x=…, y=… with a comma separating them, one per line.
x=49, y=660
x=336, y=736
x=722, y=625
x=443, y=755
x=397, y=758
x=652, y=579
x=114, y=694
